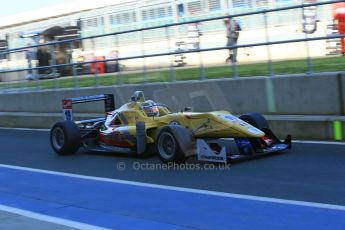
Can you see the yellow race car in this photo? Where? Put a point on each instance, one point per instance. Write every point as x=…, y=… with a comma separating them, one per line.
x=142, y=126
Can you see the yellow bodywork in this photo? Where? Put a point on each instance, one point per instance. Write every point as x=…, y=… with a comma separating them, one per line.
x=218, y=124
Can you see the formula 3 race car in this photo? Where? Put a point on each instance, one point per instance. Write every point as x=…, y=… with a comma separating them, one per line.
x=142, y=126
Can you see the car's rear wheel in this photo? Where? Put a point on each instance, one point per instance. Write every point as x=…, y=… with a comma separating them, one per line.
x=65, y=138
x=168, y=147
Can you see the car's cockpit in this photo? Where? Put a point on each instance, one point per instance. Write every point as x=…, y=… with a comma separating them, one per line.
x=138, y=109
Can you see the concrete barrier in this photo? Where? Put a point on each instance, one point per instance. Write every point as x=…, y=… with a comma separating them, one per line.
x=307, y=127
x=314, y=95
x=318, y=95
x=234, y=95
x=37, y=120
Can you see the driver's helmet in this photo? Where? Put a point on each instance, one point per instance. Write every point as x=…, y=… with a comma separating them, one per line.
x=150, y=108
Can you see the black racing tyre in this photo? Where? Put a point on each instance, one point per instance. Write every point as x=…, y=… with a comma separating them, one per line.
x=168, y=147
x=256, y=120
x=65, y=138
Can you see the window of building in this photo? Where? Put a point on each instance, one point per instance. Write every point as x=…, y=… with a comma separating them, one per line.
x=93, y=22
x=3, y=48
x=101, y=21
x=241, y=3
x=155, y=13
x=111, y=19
x=118, y=19
x=194, y=7
x=161, y=12
x=144, y=15
x=214, y=5
x=169, y=12
x=123, y=18
x=180, y=10
x=262, y=3
x=152, y=14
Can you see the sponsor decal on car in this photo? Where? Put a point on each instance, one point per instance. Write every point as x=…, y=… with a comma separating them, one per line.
x=233, y=119
x=68, y=114
x=243, y=145
x=205, y=153
x=67, y=109
x=254, y=130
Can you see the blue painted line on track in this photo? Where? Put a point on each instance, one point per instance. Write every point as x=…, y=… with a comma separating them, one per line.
x=123, y=206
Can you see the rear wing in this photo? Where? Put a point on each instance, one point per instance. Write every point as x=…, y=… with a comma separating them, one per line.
x=67, y=104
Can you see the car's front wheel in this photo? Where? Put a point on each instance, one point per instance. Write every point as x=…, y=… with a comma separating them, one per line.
x=168, y=147
x=65, y=138
x=256, y=120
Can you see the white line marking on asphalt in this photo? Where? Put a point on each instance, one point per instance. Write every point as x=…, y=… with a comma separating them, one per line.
x=50, y=219
x=25, y=129
x=319, y=142
x=187, y=190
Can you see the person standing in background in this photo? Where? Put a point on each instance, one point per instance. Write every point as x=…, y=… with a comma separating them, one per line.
x=43, y=57
x=30, y=55
x=232, y=34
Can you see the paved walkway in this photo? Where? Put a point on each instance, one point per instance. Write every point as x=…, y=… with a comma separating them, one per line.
x=12, y=221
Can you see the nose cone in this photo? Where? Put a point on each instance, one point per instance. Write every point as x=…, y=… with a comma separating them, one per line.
x=241, y=126
x=254, y=131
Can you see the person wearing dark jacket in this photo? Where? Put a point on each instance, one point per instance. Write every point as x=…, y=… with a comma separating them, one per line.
x=43, y=57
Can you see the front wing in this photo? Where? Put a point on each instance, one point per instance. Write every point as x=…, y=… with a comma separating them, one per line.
x=248, y=148
x=251, y=148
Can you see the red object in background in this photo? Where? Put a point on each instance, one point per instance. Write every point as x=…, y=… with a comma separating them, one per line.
x=339, y=15
x=339, y=11
x=99, y=65
x=341, y=29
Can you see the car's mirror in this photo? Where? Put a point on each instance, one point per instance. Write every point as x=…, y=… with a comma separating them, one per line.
x=187, y=109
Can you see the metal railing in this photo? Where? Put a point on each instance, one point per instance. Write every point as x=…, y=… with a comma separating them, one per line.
x=143, y=56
